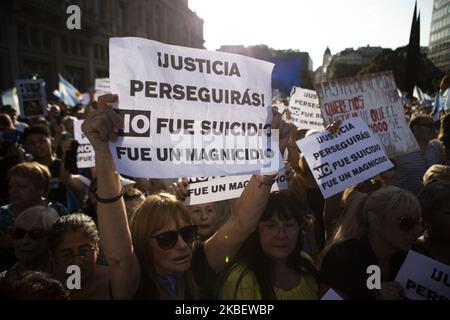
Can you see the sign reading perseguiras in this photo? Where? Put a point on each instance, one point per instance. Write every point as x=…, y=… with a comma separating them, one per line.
x=189, y=112
x=374, y=98
x=304, y=109
x=339, y=161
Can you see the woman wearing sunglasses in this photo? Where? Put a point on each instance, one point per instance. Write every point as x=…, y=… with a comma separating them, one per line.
x=388, y=223
x=31, y=243
x=158, y=258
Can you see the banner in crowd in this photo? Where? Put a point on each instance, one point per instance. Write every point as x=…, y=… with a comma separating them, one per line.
x=101, y=87
x=32, y=98
x=374, y=98
x=424, y=278
x=189, y=112
x=304, y=109
x=85, y=152
x=339, y=161
x=211, y=189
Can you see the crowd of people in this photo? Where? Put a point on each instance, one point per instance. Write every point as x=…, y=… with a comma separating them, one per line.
x=134, y=238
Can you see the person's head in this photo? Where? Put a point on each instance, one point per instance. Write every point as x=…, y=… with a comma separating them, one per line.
x=423, y=128
x=163, y=234
x=133, y=199
x=435, y=201
x=10, y=111
x=6, y=123
x=393, y=216
x=436, y=172
x=277, y=239
x=444, y=130
x=444, y=84
x=38, y=141
x=74, y=240
x=205, y=216
x=36, y=285
x=28, y=184
x=68, y=123
x=30, y=233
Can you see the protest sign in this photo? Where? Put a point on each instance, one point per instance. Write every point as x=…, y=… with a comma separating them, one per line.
x=339, y=161
x=85, y=152
x=374, y=98
x=304, y=109
x=101, y=87
x=189, y=112
x=424, y=278
x=211, y=189
x=32, y=98
x=331, y=295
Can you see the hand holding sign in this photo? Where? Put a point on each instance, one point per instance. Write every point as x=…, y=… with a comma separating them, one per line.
x=180, y=189
x=99, y=126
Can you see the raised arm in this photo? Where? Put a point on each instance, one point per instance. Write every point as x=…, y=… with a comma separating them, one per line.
x=112, y=218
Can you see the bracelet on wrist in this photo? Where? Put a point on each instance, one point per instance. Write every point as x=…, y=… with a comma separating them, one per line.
x=109, y=200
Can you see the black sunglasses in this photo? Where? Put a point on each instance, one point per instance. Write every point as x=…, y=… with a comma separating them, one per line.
x=407, y=223
x=167, y=240
x=33, y=234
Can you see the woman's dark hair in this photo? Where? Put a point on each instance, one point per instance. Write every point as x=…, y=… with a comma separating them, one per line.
x=285, y=207
x=433, y=195
x=72, y=222
x=444, y=131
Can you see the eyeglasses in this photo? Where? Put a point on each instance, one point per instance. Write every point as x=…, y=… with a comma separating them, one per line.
x=407, y=223
x=33, y=234
x=167, y=240
x=69, y=257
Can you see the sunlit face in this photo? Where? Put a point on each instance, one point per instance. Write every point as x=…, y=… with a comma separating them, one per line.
x=30, y=240
x=76, y=249
x=439, y=225
x=391, y=231
x=205, y=216
x=174, y=260
x=23, y=192
x=39, y=146
x=278, y=238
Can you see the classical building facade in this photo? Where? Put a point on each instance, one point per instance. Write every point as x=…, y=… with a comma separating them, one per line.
x=34, y=38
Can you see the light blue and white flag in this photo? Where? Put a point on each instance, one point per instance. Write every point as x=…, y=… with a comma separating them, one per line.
x=69, y=94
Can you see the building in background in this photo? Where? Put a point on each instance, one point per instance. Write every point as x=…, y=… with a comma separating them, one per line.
x=292, y=68
x=439, y=46
x=34, y=38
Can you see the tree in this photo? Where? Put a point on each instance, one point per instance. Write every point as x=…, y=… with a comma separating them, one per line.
x=345, y=70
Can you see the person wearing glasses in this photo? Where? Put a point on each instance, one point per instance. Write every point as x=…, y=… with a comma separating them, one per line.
x=31, y=242
x=412, y=166
x=156, y=255
x=74, y=240
x=272, y=263
x=390, y=221
x=435, y=201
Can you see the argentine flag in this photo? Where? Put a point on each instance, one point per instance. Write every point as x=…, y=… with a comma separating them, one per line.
x=68, y=93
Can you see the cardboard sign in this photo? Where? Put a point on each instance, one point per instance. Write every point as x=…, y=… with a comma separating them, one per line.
x=212, y=189
x=374, y=98
x=189, y=112
x=424, y=278
x=85, y=152
x=32, y=98
x=340, y=161
x=304, y=109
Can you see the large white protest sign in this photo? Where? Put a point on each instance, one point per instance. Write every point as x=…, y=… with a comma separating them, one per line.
x=32, y=98
x=85, y=152
x=339, y=161
x=189, y=112
x=304, y=109
x=102, y=87
x=374, y=98
x=424, y=278
x=211, y=189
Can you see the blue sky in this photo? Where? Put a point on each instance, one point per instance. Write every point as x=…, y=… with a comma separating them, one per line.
x=311, y=25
